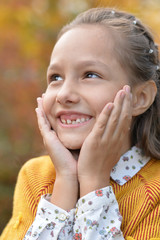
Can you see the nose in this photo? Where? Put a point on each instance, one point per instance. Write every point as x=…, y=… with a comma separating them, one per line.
x=68, y=93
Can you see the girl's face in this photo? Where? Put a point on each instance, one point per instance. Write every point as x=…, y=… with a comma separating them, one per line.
x=83, y=76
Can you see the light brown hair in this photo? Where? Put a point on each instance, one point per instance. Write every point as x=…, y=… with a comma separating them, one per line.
x=138, y=54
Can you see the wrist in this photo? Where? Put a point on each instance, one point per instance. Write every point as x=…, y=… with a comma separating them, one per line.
x=88, y=185
x=66, y=177
x=65, y=193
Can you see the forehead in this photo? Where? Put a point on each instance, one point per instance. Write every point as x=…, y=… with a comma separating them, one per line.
x=95, y=39
x=87, y=46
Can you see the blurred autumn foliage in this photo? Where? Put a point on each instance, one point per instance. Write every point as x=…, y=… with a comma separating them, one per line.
x=28, y=31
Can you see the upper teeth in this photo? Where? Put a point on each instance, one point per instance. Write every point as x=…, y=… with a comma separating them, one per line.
x=78, y=120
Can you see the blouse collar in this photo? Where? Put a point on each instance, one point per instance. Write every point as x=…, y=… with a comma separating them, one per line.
x=129, y=165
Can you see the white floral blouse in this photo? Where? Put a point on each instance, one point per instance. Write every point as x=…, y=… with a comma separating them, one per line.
x=96, y=215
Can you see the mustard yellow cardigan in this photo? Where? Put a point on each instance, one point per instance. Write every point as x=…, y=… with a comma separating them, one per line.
x=139, y=200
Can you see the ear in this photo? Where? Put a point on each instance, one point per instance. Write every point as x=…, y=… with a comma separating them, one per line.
x=143, y=97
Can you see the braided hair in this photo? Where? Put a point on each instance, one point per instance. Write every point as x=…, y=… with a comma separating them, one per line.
x=138, y=55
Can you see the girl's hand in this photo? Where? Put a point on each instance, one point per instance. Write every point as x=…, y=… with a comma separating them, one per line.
x=108, y=140
x=66, y=184
x=63, y=160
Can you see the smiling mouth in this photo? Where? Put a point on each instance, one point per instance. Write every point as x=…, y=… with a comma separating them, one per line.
x=74, y=119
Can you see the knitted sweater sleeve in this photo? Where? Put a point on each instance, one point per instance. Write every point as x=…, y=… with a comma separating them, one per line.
x=31, y=184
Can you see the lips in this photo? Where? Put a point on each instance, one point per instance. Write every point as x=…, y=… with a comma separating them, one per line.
x=75, y=121
x=73, y=118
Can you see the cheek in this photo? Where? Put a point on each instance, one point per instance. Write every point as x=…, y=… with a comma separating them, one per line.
x=48, y=102
x=101, y=100
x=46, y=105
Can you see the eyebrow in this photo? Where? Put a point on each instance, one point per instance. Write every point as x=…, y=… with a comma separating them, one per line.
x=84, y=63
x=94, y=63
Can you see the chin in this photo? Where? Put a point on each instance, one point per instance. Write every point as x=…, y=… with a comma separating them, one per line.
x=71, y=143
x=72, y=146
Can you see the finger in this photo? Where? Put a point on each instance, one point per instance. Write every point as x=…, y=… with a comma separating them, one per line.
x=40, y=106
x=126, y=113
x=115, y=114
x=43, y=123
x=101, y=123
x=43, y=126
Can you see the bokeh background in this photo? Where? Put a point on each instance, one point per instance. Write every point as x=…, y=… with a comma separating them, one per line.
x=28, y=31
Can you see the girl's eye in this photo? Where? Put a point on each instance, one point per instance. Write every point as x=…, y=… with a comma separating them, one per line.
x=55, y=77
x=92, y=75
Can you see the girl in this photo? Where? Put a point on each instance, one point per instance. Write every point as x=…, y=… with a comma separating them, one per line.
x=100, y=122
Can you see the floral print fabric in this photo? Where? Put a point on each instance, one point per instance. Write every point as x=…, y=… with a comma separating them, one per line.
x=129, y=164
x=96, y=215
x=51, y=222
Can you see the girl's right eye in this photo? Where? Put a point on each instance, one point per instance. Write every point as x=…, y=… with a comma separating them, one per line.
x=55, y=78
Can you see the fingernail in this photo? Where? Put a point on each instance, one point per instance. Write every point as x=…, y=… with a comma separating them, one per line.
x=43, y=94
x=110, y=106
x=38, y=99
x=127, y=88
x=122, y=94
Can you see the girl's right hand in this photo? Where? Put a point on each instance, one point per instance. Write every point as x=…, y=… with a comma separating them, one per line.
x=65, y=164
x=63, y=160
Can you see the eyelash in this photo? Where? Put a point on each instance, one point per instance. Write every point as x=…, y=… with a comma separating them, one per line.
x=92, y=73
x=52, y=78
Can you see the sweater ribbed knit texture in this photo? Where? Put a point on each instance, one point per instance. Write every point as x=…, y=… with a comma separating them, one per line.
x=138, y=199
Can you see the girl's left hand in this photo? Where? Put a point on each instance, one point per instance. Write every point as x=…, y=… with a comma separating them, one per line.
x=108, y=140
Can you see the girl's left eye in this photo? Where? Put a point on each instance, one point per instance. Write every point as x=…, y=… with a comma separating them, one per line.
x=92, y=75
